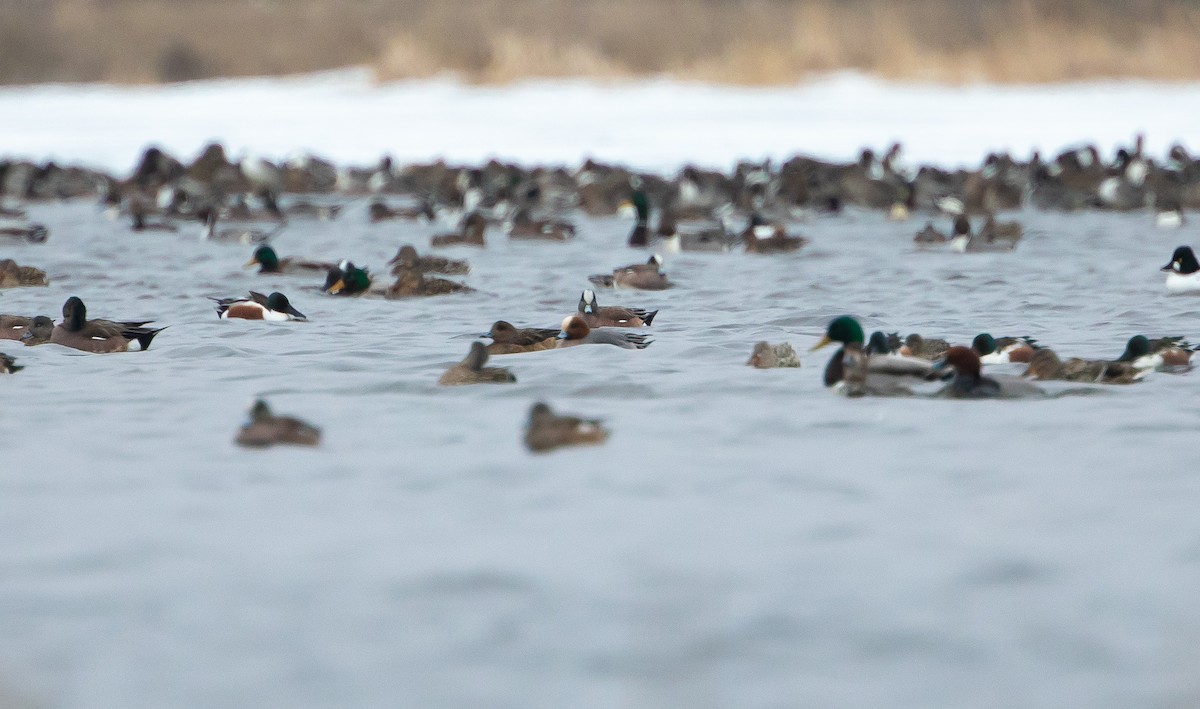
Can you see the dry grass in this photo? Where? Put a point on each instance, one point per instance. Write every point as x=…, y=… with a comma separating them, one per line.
x=495, y=41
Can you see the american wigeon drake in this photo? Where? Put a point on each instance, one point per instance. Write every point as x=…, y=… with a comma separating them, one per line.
x=507, y=339
x=524, y=226
x=1046, y=365
x=13, y=327
x=768, y=356
x=1160, y=353
x=411, y=282
x=241, y=234
x=257, y=306
x=472, y=371
x=855, y=372
x=347, y=279
x=643, y=276
x=269, y=262
x=596, y=315
x=1183, y=271
x=576, y=332
x=99, y=336
x=266, y=429
x=763, y=237
x=8, y=365
x=922, y=348
x=14, y=276
x=472, y=233
x=379, y=211
x=33, y=233
x=546, y=430
x=39, y=332
x=1002, y=350
x=407, y=258
x=969, y=382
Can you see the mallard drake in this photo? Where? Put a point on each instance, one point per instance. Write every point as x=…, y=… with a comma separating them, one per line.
x=507, y=339
x=472, y=371
x=269, y=262
x=575, y=331
x=14, y=276
x=854, y=372
x=258, y=307
x=407, y=258
x=266, y=429
x=768, y=356
x=546, y=430
x=596, y=315
x=640, y=235
x=347, y=279
x=1046, y=365
x=969, y=382
x=471, y=234
x=99, y=336
x=412, y=282
x=1183, y=271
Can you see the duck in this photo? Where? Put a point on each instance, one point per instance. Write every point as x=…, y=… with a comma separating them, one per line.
x=1183, y=272
x=762, y=237
x=993, y=237
x=13, y=327
x=269, y=262
x=378, y=211
x=471, y=234
x=969, y=382
x=33, y=233
x=8, y=365
x=1168, y=215
x=238, y=234
x=855, y=372
x=768, y=356
x=507, y=339
x=522, y=225
x=265, y=429
x=931, y=235
x=407, y=258
x=1046, y=365
x=1003, y=350
x=14, y=276
x=472, y=371
x=643, y=276
x=880, y=343
x=141, y=223
x=99, y=336
x=922, y=348
x=575, y=331
x=1158, y=354
x=596, y=315
x=640, y=235
x=412, y=282
x=347, y=279
x=257, y=306
x=39, y=332
x=546, y=430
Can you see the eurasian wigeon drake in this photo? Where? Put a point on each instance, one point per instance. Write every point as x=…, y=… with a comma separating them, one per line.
x=14, y=276
x=1183, y=271
x=472, y=371
x=596, y=315
x=507, y=339
x=266, y=429
x=576, y=332
x=546, y=430
x=407, y=258
x=257, y=306
x=1046, y=365
x=99, y=336
x=969, y=382
x=768, y=356
x=269, y=262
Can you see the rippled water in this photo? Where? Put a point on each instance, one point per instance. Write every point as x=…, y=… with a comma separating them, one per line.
x=745, y=539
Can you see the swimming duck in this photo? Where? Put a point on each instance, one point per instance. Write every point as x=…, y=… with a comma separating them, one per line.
x=269, y=262
x=1047, y=365
x=266, y=429
x=879, y=343
x=378, y=211
x=239, y=234
x=471, y=233
x=762, y=237
x=931, y=235
x=1002, y=350
x=993, y=237
x=596, y=315
x=1183, y=272
x=141, y=223
x=921, y=348
x=99, y=336
x=472, y=371
x=644, y=276
x=640, y=235
x=8, y=365
x=969, y=382
x=575, y=331
x=14, y=276
x=546, y=431
x=347, y=279
x=39, y=332
x=524, y=226
x=1164, y=352
x=857, y=373
x=412, y=282
x=274, y=307
x=12, y=327
x=1168, y=215
x=408, y=258
x=33, y=233
x=768, y=356
x=507, y=339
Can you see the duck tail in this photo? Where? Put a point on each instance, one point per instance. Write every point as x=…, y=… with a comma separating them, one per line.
x=143, y=335
x=648, y=318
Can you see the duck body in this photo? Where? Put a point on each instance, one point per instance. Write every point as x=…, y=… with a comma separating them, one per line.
x=643, y=276
x=546, y=430
x=16, y=276
x=969, y=382
x=922, y=348
x=1046, y=365
x=472, y=370
x=240, y=234
x=471, y=234
x=768, y=356
x=1003, y=350
x=762, y=237
x=524, y=226
x=1183, y=272
x=596, y=315
x=257, y=306
x=413, y=283
x=266, y=429
x=8, y=365
x=407, y=258
x=99, y=336
x=507, y=339
x=575, y=331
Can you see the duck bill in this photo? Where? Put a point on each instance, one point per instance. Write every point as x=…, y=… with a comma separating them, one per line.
x=296, y=313
x=251, y=263
x=1168, y=267
x=336, y=287
x=824, y=341
x=562, y=336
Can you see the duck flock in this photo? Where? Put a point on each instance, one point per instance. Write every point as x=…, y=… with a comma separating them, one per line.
x=755, y=208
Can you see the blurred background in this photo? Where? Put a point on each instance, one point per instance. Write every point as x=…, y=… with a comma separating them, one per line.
x=751, y=42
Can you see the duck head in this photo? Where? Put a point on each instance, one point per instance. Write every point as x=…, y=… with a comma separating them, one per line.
x=266, y=258
x=74, y=314
x=1182, y=261
x=477, y=356
x=573, y=328
x=406, y=256
x=587, y=302
x=983, y=344
x=279, y=303
x=844, y=329
x=1138, y=346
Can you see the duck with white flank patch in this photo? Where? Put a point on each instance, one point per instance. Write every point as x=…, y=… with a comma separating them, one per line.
x=257, y=306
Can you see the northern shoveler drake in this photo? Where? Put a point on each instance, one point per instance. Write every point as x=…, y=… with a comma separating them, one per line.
x=347, y=279
x=8, y=365
x=269, y=262
x=1183, y=272
x=575, y=331
x=412, y=282
x=768, y=356
x=969, y=382
x=266, y=429
x=99, y=336
x=546, y=430
x=33, y=233
x=471, y=234
x=854, y=372
x=14, y=276
x=472, y=371
x=257, y=306
x=39, y=332
x=1161, y=353
x=643, y=276
x=596, y=315
x=763, y=237
x=407, y=258
x=507, y=339
x=1046, y=365
x=1002, y=350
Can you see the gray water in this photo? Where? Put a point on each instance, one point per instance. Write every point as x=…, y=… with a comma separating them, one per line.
x=745, y=539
